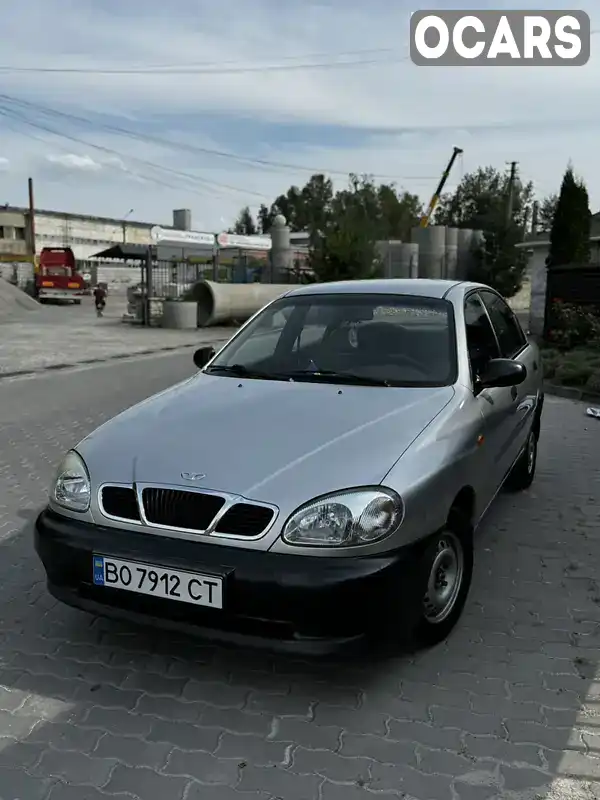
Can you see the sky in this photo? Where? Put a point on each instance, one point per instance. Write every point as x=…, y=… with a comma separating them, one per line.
x=212, y=106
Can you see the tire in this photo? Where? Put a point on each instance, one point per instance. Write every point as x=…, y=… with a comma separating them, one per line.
x=414, y=627
x=522, y=474
x=441, y=607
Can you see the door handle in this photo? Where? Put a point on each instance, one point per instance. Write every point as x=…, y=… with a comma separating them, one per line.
x=513, y=392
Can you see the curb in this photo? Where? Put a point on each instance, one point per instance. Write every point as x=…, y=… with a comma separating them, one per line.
x=571, y=393
x=119, y=356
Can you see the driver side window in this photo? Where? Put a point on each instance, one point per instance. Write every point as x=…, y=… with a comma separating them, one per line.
x=481, y=339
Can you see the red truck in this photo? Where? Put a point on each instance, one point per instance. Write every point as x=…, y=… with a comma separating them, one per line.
x=56, y=276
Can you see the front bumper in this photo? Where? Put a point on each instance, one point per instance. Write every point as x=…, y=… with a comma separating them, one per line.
x=284, y=602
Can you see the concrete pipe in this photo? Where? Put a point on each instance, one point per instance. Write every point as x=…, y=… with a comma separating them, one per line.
x=451, y=260
x=222, y=303
x=408, y=260
x=432, y=250
x=179, y=316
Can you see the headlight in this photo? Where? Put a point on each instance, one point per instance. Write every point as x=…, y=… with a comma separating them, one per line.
x=350, y=518
x=71, y=488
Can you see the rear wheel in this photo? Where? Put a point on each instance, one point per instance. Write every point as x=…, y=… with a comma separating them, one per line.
x=523, y=472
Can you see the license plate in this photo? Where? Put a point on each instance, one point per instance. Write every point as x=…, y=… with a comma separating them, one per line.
x=150, y=579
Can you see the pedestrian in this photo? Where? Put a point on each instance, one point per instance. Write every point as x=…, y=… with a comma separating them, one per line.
x=100, y=299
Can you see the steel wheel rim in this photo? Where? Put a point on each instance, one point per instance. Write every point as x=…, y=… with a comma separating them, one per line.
x=445, y=579
x=530, y=453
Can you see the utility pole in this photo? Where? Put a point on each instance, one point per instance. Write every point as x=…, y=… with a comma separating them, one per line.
x=510, y=200
x=31, y=220
x=124, y=224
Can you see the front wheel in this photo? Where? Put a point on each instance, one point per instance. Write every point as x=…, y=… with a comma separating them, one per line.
x=523, y=472
x=435, y=601
x=447, y=571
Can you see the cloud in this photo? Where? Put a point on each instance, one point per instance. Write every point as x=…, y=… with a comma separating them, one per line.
x=389, y=118
x=72, y=161
x=4, y=164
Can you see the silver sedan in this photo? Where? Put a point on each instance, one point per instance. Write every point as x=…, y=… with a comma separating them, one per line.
x=317, y=483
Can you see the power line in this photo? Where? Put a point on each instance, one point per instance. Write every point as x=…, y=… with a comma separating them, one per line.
x=229, y=67
x=237, y=61
x=119, y=168
x=178, y=173
x=208, y=68
x=149, y=138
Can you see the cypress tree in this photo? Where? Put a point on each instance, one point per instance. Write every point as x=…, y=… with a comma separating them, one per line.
x=570, y=232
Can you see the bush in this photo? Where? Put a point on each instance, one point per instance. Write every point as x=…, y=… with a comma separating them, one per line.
x=579, y=367
x=573, y=374
x=550, y=360
x=573, y=326
x=593, y=382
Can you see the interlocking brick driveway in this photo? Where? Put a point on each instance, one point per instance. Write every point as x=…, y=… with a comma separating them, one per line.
x=508, y=707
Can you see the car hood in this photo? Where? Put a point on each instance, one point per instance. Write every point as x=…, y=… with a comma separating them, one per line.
x=275, y=441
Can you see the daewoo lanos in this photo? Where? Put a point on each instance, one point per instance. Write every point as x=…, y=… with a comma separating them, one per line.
x=317, y=481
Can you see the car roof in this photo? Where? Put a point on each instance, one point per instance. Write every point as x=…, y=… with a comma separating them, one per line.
x=420, y=287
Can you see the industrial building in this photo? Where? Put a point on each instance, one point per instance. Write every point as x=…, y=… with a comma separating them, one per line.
x=84, y=234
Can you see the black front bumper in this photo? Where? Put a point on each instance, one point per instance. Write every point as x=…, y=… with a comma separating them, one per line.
x=282, y=601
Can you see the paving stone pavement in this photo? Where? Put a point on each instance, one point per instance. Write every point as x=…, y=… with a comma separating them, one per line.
x=68, y=335
x=508, y=707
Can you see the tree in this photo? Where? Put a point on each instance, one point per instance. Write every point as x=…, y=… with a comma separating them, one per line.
x=498, y=262
x=345, y=246
x=310, y=208
x=265, y=218
x=343, y=226
x=547, y=210
x=306, y=209
x=245, y=224
x=570, y=232
x=479, y=201
x=399, y=212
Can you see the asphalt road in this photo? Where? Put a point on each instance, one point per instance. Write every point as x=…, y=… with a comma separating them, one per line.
x=508, y=707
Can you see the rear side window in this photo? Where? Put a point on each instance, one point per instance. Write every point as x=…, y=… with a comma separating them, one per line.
x=508, y=330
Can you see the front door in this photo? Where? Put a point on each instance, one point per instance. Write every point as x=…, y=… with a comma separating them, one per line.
x=496, y=405
x=514, y=345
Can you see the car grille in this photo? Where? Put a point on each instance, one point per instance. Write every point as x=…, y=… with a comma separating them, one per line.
x=176, y=508
x=120, y=501
x=192, y=511
x=244, y=519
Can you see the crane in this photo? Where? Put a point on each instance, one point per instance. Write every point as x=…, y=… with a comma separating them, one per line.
x=440, y=187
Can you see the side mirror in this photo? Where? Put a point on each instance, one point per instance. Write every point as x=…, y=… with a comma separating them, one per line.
x=203, y=355
x=502, y=372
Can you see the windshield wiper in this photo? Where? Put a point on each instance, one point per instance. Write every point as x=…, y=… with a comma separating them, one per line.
x=331, y=374
x=240, y=371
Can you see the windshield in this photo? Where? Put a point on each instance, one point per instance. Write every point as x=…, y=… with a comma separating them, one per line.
x=393, y=340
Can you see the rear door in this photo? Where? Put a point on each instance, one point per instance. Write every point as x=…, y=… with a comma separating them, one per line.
x=514, y=345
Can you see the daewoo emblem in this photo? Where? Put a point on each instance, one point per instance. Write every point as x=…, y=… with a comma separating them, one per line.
x=192, y=476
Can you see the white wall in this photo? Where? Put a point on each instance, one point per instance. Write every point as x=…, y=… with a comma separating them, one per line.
x=85, y=237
